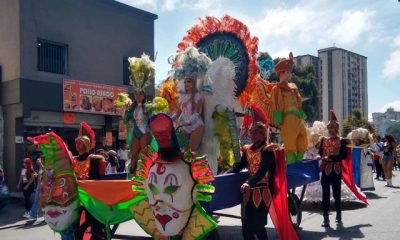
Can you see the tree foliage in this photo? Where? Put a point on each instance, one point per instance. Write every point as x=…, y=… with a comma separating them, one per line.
x=394, y=130
x=356, y=121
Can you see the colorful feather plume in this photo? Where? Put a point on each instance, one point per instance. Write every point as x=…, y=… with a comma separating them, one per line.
x=227, y=24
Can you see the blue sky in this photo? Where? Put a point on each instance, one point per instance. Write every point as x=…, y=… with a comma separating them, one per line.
x=367, y=27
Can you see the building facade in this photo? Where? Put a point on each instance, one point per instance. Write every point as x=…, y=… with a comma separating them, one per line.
x=316, y=63
x=344, y=82
x=384, y=120
x=48, y=41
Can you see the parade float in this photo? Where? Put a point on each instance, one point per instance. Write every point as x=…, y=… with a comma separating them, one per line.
x=176, y=199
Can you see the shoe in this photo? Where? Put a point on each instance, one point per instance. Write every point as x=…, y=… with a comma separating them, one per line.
x=338, y=221
x=26, y=215
x=325, y=223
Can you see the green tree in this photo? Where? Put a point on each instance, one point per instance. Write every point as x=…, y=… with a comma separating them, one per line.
x=305, y=79
x=394, y=130
x=356, y=121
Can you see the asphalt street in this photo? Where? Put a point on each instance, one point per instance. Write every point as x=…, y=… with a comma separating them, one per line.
x=379, y=220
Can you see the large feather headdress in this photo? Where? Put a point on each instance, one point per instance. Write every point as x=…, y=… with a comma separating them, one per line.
x=193, y=64
x=142, y=72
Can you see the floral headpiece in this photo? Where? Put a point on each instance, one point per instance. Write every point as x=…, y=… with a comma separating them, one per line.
x=142, y=72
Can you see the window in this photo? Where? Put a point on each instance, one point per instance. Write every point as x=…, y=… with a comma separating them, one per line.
x=52, y=57
x=126, y=72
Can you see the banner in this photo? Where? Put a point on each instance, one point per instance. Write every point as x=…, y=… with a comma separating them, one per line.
x=87, y=97
x=121, y=130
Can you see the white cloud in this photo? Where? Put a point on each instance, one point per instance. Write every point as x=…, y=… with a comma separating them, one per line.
x=310, y=26
x=210, y=7
x=394, y=104
x=152, y=4
x=391, y=69
x=170, y=5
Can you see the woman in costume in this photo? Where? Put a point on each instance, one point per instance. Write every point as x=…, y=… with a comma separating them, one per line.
x=142, y=72
x=389, y=154
x=190, y=69
x=286, y=106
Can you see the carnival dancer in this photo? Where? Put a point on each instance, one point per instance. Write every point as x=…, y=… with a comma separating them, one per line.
x=260, y=160
x=89, y=167
x=190, y=69
x=173, y=183
x=136, y=115
x=332, y=151
x=286, y=107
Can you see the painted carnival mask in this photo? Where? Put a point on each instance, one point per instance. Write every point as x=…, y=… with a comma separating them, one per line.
x=58, y=190
x=169, y=189
x=59, y=201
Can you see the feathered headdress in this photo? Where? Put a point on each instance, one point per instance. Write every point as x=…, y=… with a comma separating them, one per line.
x=87, y=136
x=192, y=64
x=142, y=72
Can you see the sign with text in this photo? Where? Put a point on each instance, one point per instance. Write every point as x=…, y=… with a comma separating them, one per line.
x=87, y=97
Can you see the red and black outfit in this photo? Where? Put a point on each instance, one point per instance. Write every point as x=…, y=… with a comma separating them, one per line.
x=88, y=168
x=260, y=163
x=334, y=148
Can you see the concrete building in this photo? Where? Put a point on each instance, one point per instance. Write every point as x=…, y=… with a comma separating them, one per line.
x=316, y=63
x=344, y=82
x=43, y=42
x=384, y=120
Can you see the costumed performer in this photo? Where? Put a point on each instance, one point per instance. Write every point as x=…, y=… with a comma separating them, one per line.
x=286, y=107
x=332, y=151
x=259, y=158
x=313, y=192
x=142, y=72
x=173, y=183
x=58, y=187
x=361, y=141
x=89, y=167
x=190, y=69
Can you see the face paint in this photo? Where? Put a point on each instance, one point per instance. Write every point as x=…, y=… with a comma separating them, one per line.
x=169, y=189
x=60, y=218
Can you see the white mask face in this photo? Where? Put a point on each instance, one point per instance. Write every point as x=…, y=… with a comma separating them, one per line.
x=60, y=218
x=169, y=189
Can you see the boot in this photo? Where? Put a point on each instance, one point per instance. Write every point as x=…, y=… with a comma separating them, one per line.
x=338, y=217
x=325, y=223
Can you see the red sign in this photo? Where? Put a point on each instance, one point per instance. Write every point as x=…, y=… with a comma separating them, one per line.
x=121, y=130
x=90, y=97
x=69, y=118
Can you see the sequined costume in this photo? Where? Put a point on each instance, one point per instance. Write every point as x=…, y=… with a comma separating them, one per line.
x=140, y=122
x=191, y=119
x=261, y=165
x=334, y=149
